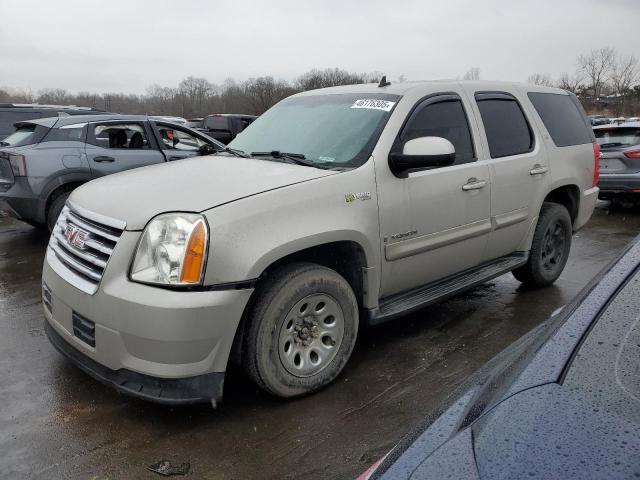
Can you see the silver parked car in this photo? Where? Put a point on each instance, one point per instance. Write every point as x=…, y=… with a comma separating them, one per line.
x=45, y=159
x=619, y=160
x=336, y=208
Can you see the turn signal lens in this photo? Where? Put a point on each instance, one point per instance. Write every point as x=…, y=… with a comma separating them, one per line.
x=194, y=255
x=633, y=154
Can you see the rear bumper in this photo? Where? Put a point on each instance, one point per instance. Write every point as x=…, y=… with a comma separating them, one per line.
x=180, y=391
x=617, y=183
x=19, y=201
x=587, y=205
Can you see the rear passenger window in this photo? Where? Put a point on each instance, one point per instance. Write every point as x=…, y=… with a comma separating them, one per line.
x=121, y=136
x=562, y=118
x=507, y=129
x=444, y=119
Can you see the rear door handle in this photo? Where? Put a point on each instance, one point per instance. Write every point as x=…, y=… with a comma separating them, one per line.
x=538, y=170
x=104, y=159
x=474, y=184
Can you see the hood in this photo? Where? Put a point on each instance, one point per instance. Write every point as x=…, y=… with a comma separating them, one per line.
x=191, y=185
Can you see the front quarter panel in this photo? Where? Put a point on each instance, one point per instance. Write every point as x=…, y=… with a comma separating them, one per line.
x=250, y=234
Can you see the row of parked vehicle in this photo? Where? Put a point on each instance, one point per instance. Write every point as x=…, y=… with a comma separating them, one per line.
x=597, y=120
x=338, y=209
x=68, y=146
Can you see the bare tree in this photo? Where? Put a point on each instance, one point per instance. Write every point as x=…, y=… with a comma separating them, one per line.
x=571, y=82
x=330, y=77
x=625, y=75
x=56, y=96
x=597, y=65
x=540, y=79
x=472, y=74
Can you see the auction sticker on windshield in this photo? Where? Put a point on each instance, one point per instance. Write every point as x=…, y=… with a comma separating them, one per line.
x=374, y=104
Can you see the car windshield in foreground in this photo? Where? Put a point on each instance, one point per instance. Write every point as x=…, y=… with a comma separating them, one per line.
x=330, y=131
x=618, y=137
x=24, y=135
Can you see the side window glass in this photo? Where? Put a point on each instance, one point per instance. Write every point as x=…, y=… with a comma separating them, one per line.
x=176, y=139
x=507, y=129
x=444, y=119
x=121, y=136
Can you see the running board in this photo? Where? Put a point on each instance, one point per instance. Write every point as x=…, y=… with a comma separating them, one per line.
x=407, y=302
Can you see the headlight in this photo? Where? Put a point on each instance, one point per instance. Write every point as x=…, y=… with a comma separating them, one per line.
x=172, y=250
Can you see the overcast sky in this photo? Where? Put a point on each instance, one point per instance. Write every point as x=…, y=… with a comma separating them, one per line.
x=124, y=46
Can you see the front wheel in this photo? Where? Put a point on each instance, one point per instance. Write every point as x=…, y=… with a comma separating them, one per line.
x=302, y=329
x=549, y=249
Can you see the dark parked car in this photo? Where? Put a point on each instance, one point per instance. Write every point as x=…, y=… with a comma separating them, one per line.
x=619, y=160
x=45, y=159
x=12, y=113
x=563, y=402
x=195, y=122
x=224, y=127
x=598, y=120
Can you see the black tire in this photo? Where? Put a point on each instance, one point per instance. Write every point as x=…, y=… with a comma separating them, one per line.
x=274, y=304
x=550, y=247
x=55, y=208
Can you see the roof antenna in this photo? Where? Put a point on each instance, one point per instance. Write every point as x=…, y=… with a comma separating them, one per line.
x=383, y=82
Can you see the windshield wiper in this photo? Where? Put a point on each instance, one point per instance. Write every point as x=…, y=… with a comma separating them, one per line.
x=297, y=158
x=237, y=153
x=612, y=144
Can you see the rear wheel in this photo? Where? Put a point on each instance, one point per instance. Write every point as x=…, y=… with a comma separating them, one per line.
x=549, y=249
x=55, y=208
x=302, y=329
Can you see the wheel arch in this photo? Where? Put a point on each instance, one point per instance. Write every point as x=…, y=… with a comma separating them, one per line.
x=58, y=185
x=567, y=195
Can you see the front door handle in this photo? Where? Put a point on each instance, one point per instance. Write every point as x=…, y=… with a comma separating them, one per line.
x=538, y=169
x=104, y=159
x=474, y=184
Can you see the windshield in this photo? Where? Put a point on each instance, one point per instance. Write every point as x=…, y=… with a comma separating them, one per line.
x=24, y=135
x=332, y=130
x=618, y=137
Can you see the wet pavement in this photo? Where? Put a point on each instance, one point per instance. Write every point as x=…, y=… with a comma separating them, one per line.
x=56, y=422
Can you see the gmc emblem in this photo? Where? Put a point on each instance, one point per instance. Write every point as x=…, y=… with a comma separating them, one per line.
x=76, y=236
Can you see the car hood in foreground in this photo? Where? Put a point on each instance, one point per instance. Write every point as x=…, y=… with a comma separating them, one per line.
x=546, y=432
x=191, y=185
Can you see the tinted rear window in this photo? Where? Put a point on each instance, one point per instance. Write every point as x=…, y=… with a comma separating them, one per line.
x=67, y=133
x=217, y=123
x=27, y=134
x=618, y=137
x=507, y=130
x=562, y=118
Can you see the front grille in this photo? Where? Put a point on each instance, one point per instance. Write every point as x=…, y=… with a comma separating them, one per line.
x=84, y=329
x=83, y=246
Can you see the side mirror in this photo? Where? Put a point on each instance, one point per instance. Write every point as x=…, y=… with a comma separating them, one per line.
x=207, y=149
x=421, y=154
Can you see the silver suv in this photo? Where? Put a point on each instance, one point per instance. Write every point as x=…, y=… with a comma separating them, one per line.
x=337, y=208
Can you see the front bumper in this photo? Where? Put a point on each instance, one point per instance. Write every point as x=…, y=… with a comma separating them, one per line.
x=163, y=335
x=181, y=391
x=619, y=183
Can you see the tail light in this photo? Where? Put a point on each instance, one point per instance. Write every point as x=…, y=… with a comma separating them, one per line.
x=633, y=154
x=18, y=165
x=596, y=163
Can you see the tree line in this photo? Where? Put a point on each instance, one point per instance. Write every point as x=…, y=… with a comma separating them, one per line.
x=195, y=97
x=605, y=82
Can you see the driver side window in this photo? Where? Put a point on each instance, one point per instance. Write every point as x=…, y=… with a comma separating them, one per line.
x=175, y=139
x=446, y=119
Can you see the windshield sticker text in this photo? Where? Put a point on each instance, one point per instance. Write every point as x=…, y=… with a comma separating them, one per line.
x=372, y=104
